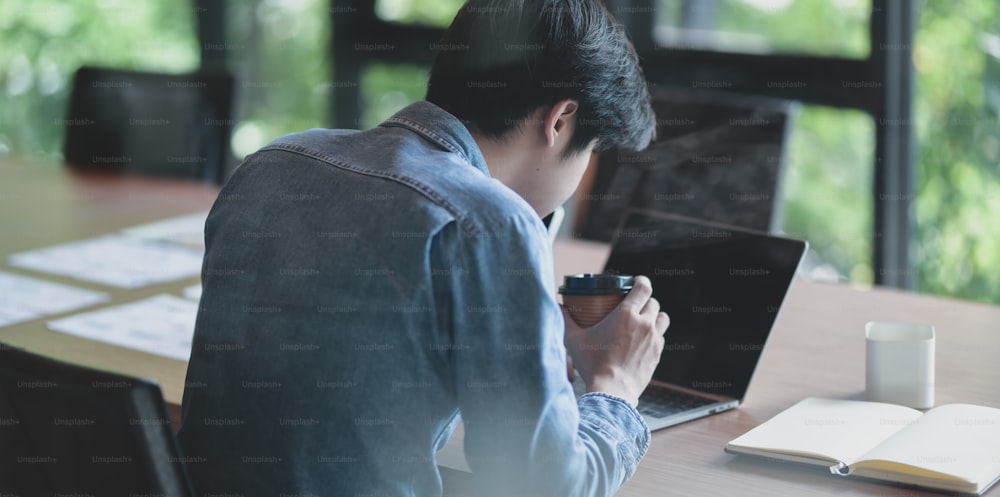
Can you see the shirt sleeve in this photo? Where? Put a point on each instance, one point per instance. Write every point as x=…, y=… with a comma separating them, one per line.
x=526, y=433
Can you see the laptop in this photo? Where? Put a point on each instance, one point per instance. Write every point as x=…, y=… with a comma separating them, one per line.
x=723, y=288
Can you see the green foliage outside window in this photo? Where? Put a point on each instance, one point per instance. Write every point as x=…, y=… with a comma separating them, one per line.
x=958, y=162
x=42, y=42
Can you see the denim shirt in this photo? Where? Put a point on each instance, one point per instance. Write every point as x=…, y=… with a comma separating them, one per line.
x=364, y=289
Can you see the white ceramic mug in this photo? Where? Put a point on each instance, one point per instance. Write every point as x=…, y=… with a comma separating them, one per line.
x=899, y=363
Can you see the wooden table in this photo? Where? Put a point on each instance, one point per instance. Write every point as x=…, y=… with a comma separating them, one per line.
x=44, y=203
x=816, y=349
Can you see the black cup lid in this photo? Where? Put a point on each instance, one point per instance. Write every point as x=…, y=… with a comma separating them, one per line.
x=596, y=284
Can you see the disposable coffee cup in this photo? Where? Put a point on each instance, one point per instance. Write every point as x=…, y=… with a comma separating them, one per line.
x=589, y=298
x=899, y=363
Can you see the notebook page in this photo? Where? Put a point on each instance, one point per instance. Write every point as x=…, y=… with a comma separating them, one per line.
x=842, y=430
x=961, y=440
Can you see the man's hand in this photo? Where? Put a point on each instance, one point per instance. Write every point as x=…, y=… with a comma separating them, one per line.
x=619, y=354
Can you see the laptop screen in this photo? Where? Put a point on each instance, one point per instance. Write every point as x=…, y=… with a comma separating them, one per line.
x=722, y=287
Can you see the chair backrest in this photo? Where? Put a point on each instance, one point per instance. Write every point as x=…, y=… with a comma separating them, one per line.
x=67, y=429
x=174, y=125
x=716, y=156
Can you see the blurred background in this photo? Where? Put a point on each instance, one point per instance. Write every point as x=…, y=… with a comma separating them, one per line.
x=280, y=51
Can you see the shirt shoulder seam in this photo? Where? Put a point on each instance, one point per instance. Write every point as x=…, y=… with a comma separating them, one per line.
x=452, y=209
x=426, y=133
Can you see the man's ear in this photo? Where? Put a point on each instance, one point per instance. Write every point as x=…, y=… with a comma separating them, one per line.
x=560, y=119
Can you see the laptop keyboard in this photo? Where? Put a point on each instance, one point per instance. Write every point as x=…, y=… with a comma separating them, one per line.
x=663, y=402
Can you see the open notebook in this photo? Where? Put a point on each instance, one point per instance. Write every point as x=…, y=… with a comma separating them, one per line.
x=953, y=447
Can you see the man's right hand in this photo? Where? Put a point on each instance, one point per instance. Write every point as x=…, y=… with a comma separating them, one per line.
x=619, y=354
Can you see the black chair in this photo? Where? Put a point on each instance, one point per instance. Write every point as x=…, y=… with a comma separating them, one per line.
x=173, y=125
x=716, y=156
x=67, y=429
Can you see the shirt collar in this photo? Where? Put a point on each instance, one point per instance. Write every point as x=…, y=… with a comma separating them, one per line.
x=441, y=128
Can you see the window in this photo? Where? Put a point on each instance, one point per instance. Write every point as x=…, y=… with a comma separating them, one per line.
x=279, y=52
x=386, y=88
x=45, y=41
x=437, y=13
x=957, y=247
x=828, y=191
x=815, y=27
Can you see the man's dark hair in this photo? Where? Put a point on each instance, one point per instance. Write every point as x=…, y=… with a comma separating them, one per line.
x=501, y=60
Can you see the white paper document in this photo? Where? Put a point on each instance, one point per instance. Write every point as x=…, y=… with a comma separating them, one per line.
x=162, y=325
x=25, y=298
x=117, y=260
x=184, y=230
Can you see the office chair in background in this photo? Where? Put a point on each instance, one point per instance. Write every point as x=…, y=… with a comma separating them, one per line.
x=716, y=156
x=173, y=125
x=67, y=429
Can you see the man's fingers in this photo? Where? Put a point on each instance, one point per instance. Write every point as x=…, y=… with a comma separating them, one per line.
x=642, y=290
x=662, y=322
x=651, y=308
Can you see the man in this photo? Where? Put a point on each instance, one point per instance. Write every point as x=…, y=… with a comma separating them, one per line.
x=365, y=290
